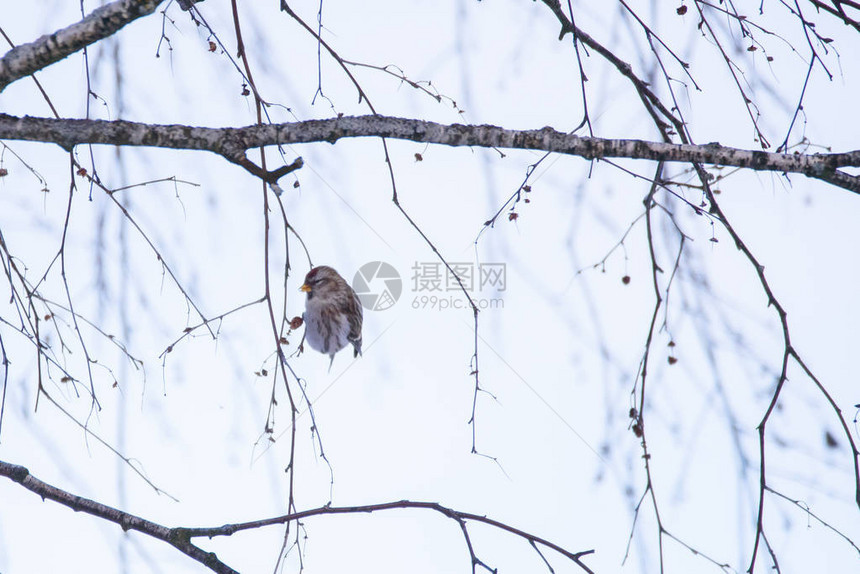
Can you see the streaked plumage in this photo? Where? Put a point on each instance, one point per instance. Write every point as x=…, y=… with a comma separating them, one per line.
x=333, y=314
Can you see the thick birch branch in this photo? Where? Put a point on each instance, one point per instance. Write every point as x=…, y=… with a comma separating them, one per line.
x=49, y=49
x=233, y=142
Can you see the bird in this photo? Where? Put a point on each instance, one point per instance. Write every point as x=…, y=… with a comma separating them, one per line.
x=333, y=313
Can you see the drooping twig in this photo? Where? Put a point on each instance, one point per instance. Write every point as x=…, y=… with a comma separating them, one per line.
x=362, y=96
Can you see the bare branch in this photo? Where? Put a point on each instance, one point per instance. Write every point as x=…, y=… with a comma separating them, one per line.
x=837, y=11
x=180, y=537
x=127, y=521
x=456, y=515
x=49, y=49
x=232, y=143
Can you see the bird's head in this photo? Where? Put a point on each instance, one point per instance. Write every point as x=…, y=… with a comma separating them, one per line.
x=321, y=282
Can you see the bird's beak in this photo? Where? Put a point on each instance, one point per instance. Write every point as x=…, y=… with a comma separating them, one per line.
x=306, y=288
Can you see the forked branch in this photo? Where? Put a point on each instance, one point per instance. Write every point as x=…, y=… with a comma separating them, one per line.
x=180, y=538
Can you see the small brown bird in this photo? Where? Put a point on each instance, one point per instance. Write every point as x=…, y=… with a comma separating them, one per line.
x=333, y=313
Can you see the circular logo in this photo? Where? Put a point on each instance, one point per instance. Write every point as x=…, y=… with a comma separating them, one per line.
x=378, y=285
